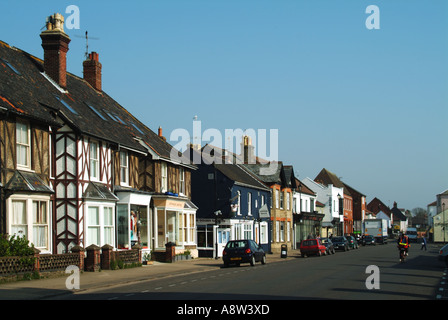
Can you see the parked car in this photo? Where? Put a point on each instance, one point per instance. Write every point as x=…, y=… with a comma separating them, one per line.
x=243, y=251
x=329, y=245
x=312, y=247
x=340, y=243
x=352, y=243
x=368, y=241
x=443, y=254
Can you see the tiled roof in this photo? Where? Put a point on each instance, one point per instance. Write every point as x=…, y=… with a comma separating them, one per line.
x=26, y=91
x=23, y=181
x=327, y=177
x=236, y=173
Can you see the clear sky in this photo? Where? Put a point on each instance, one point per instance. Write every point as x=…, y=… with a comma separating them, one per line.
x=368, y=105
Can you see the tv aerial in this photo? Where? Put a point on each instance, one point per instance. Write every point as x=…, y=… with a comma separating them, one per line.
x=87, y=42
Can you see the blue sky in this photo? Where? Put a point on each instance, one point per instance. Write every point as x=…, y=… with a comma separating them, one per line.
x=368, y=105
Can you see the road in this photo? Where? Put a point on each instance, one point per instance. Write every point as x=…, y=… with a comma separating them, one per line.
x=341, y=276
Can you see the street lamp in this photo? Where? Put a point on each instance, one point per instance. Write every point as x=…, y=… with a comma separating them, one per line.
x=444, y=223
x=218, y=215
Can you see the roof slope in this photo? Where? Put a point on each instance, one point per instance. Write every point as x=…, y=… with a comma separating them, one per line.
x=327, y=177
x=236, y=173
x=29, y=93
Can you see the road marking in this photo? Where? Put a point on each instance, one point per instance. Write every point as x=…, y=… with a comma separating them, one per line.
x=158, y=288
x=144, y=291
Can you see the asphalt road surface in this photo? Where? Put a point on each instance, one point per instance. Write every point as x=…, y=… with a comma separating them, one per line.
x=342, y=276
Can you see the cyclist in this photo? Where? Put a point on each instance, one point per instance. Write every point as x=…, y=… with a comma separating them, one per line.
x=403, y=242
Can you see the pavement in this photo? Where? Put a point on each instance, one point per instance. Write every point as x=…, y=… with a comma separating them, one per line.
x=52, y=287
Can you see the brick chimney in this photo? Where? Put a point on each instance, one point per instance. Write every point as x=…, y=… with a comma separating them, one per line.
x=55, y=43
x=92, y=70
x=247, y=150
x=160, y=134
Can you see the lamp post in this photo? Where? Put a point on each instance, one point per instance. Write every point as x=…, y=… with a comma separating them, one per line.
x=444, y=223
x=218, y=215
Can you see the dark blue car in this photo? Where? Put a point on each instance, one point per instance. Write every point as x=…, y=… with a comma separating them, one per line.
x=243, y=251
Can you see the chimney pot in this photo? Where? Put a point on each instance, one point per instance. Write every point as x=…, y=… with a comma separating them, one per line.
x=55, y=44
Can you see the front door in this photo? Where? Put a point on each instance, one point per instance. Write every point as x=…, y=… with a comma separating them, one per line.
x=223, y=238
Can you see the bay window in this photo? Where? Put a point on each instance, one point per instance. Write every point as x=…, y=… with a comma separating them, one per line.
x=29, y=217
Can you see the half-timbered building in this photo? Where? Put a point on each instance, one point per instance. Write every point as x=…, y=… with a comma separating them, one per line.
x=77, y=166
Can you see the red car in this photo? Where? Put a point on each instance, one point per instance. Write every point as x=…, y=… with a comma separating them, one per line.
x=312, y=247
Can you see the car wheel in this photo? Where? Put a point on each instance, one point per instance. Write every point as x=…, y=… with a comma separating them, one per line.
x=263, y=260
x=252, y=261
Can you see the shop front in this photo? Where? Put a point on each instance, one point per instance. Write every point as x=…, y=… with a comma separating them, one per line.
x=174, y=221
x=307, y=224
x=133, y=219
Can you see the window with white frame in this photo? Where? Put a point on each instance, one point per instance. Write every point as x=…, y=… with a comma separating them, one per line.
x=181, y=180
x=29, y=217
x=109, y=225
x=277, y=198
x=23, y=145
x=124, y=168
x=282, y=231
x=288, y=200
x=19, y=224
x=247, y=231
x=249, y=203
x=40, y=224
x=93, y=226
x=100, y=224
x=264, y=232
x=164, y=174
x=239, y=203
x=189, y=227
x=281, y=199
x=94, y=161
x=277, y=231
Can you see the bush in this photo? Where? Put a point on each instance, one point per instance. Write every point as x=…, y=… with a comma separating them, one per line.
x=15, y=246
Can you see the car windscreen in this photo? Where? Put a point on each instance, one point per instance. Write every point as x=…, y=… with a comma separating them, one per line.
x=309, y=243
x=236, y=244
x=338, y=239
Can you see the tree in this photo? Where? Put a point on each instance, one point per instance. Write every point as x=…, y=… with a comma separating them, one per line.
x=419, y=216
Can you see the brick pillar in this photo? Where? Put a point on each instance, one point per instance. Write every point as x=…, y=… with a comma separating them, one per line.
x=80, y=251
x=138, y=248
x=170, y=252
x=106, y=256
x=93, y=260
x=36, y=259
